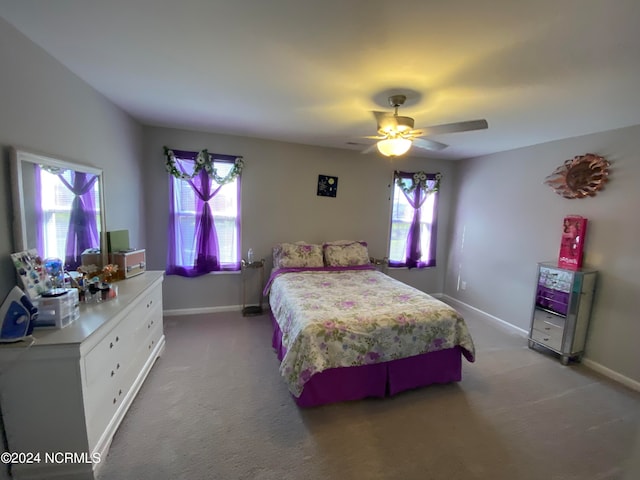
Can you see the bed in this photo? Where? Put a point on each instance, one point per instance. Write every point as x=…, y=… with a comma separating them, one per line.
x=343, y=330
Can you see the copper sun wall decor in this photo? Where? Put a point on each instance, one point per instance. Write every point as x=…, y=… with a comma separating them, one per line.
x=579, y=177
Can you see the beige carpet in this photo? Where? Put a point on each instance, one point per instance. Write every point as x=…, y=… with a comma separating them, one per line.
x=214, y=407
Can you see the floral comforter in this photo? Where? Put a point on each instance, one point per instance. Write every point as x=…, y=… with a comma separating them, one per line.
x=347, y=318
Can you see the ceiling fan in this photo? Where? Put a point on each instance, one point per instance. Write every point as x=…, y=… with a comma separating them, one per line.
x=396, y=134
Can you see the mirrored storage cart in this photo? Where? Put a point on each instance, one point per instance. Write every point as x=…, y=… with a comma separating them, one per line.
x=561, y=310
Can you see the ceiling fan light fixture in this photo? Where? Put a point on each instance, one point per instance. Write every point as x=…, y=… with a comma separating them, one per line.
x=394, y=147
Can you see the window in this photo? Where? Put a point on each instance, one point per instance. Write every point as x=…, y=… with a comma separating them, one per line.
x=413, y=220
x=68, y=214
x=204, y=213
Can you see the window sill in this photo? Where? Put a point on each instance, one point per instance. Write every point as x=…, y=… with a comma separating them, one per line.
x=407, y=268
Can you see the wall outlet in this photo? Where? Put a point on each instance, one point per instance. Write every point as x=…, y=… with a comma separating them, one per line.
x=463, y=285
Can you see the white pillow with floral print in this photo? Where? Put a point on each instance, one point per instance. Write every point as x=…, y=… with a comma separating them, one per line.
x=297, y=255
x=344, y=242
x=346, y=255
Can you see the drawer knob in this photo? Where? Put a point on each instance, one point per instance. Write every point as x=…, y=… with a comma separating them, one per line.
x=112, y=373
x=118, y=366
x=110, y=344
x=114, y=401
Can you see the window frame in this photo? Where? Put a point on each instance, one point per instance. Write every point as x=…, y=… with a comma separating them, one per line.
x=175, y=188
x=431, y=182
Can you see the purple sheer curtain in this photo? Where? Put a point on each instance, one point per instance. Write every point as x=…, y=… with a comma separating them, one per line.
x=416, y=198
x=207, y=255
x=83, y=226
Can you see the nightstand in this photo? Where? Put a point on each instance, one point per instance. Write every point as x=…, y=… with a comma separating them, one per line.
x=381, y=264
x=247, y=269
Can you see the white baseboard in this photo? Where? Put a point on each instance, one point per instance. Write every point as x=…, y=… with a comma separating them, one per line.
x=595, y=366
x=612, y=374
x=199, y=310
x=521, y=331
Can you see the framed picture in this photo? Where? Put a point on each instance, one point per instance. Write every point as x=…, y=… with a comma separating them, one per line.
x=327, y=186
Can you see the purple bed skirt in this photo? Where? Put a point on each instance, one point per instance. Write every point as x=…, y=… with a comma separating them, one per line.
x=377, y=380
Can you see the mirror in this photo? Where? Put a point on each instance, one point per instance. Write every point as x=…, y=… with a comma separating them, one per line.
x=58, y=207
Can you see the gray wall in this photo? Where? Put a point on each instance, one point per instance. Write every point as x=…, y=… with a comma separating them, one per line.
x=510, y=221
x=47, y=108
x=279, y=204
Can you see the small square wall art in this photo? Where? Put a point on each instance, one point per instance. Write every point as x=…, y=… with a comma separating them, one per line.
x=327, y=186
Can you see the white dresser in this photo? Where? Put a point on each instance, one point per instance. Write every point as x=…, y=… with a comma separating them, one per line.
x=70, y=390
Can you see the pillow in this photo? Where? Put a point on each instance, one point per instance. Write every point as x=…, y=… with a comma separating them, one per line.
x=344, y=242
x=346, y=254
x=296, y=255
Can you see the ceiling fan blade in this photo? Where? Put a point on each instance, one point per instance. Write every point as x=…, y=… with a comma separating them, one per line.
x=427, y=144
x=369, y=149
x=455, y=127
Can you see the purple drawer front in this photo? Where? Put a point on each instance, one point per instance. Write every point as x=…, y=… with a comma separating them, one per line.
x=552, y=294
x=552, y=299
x=558, y=307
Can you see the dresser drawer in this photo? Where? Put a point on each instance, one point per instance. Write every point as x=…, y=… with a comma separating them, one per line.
x=108, y=380
x=546, y=322
x=150, y=303
x=100, y=409
x=559, y=305
x=149, y=345
x=103, y=399
x=560, y=280
x=546, y=293
x=108, y=356
x=152, y=320
x=116, y=350
x=551, y=338
x=548, y=329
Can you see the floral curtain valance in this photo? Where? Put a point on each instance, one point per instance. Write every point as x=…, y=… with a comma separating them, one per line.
x=203, y=160
x=426, y=182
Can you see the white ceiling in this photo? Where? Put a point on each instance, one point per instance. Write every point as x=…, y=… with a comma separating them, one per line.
x=311, y=72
